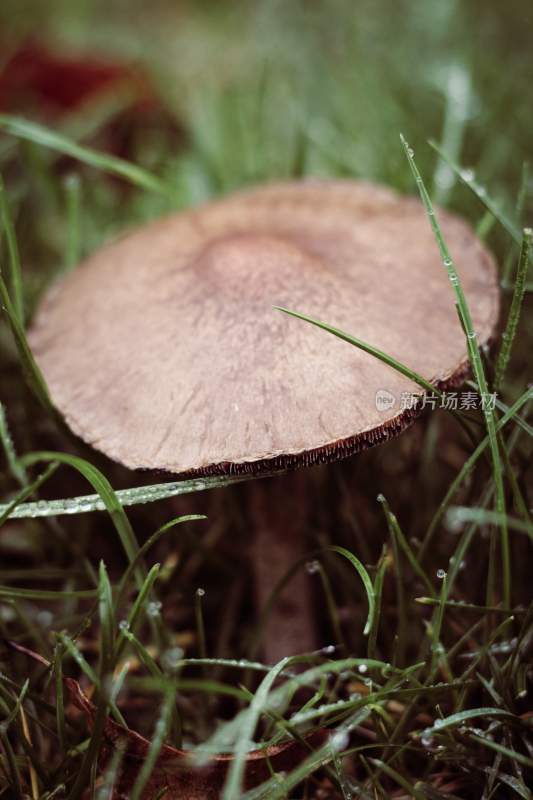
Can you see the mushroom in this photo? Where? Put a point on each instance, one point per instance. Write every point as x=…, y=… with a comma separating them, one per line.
x=164, y=352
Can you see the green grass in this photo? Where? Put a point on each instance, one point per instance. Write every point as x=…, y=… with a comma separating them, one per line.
x=141, y=590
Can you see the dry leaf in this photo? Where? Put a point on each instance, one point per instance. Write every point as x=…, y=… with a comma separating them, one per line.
x=174, y=776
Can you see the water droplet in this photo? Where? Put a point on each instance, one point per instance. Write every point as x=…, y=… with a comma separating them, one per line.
x=426, y=741
x=410, y=151
x=467, y=175
x=328, y=650
x=441, y=574
x=447, y=262
x=124, y=625
x=312, y=567
x=200, y=592
x=153, y=609
x=45, y=618
x=171, y=658
x=362, y=668
x=339, y=741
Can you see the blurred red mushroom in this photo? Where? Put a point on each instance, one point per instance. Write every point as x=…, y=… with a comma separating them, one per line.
x=60, y=87
x=34, y=77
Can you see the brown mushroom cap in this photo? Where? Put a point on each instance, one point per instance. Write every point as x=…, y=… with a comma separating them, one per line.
x=163, y=349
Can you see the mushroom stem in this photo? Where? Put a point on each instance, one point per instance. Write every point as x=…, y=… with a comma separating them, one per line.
x=279, y=515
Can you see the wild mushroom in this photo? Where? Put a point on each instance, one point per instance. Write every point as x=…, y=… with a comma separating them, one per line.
x=164, y=352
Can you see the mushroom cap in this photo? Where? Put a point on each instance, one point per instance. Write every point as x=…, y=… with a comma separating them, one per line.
x=163, y=350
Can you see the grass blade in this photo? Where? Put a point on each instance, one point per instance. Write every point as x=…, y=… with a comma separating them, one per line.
x=44, y=594
x=86, y=504
x=458, y=98
x=397, y=536
x=16, y=786
x=519, y=212
x=29, y=366
x=437, y=650
x=59, y=699
x=15, y=711
x=463, y=716
x=200, y=624
x=477, y=367
x=149, y=544
x=15, y=467
x=368, y=348
x=466, y=469
x=505, y=751
x=158, y=739
x=102, y=486
x=461, y=605
x=509, y=333
x=457, y=515
x=468, y=178
x=13, y=253
x=234, y=782
x=73, y=211
x=383, y=565
x=331, y=606
x=107, y=621
x=379, y=354
x=137, y=607
x=39, y=134
x=367, y=583
x=10, y=508
x=399, y=779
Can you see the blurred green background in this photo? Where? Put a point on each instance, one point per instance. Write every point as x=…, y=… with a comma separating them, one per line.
x=264, y=88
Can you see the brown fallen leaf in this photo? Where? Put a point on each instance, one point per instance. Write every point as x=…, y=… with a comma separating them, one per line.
x=175, y=777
